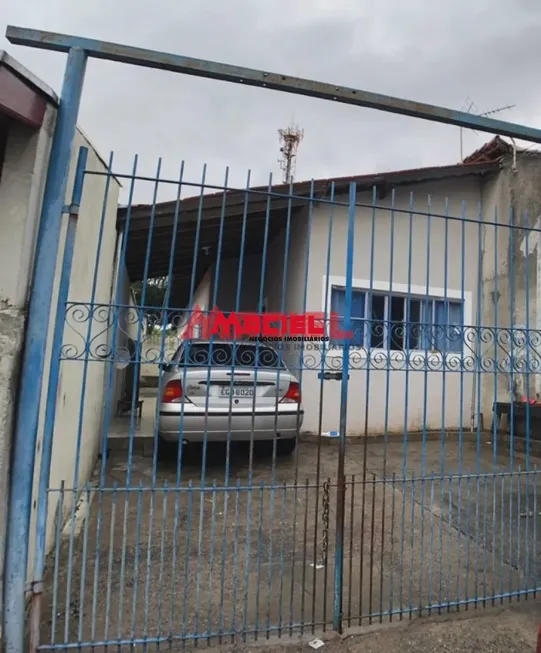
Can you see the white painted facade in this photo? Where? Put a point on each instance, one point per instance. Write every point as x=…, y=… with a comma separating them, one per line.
x=434, y=239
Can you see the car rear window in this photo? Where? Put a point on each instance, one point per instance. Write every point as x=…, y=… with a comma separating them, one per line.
x=226, y=355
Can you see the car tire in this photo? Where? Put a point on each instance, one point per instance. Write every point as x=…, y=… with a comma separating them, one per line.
x=286, y=447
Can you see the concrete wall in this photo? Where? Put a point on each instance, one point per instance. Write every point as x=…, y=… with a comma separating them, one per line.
x=21, y=191
x=227, y=287
x=420, y=259
x=70, y=399
x=511, y=302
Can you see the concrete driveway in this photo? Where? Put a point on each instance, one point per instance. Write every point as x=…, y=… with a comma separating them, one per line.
x=223, y=549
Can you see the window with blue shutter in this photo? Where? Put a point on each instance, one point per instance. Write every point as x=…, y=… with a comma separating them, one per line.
x=400, y=323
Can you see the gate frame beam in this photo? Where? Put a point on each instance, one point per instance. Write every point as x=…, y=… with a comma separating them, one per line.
x=279, y=82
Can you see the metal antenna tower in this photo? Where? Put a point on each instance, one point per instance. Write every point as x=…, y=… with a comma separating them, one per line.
x=290, y=139
x=469, y=105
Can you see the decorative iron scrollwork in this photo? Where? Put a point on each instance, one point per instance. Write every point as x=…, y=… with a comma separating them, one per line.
x=100, y=332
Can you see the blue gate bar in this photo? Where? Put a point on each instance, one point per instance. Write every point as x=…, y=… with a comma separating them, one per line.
x=50, y=409
x=340, y=482
x=276, y=81
x=24, y=441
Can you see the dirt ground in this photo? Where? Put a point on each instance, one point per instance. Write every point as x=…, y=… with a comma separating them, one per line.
x=223, y=550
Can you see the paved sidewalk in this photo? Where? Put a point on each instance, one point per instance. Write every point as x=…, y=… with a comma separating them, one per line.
x=511, y=629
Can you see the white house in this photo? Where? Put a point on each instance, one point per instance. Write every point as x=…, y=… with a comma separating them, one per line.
x=440, y=269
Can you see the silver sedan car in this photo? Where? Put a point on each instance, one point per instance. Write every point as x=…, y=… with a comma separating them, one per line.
x=220, y=390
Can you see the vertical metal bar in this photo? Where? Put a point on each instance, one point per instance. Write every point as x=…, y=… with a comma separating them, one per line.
x=59, y=520
x=300, y=379
x=211, y=562
x=510, y=534
x=519, y=539
x=250, y=481
x=468, y=539
x=495, y=297
x=33, y=363
x=476, y=536
x=162, y=555
x=80, y=424
x=458, y=529
x=412, y=547
x=534, y=530
x=109, y=567
x=50, y=407
x=259, y=562
x=443, y=434
x=449, y=541
x=372, y=534
x=485, y=543
x=431, y=548
x=406, y=404
x=387, y=401
x=281, y=572
x=320, y=415
x=493, y=517
x=351, y=548
x=177, y=493
x=304, y=551
x=391, y=588
x=514, y=336
x=341, y=487
x=229, y=426
x=187, y=554
x=368, y=346
x=235, y=561
x=477, y=389
x=502, y=536
x=136, y=560
x=83, y=568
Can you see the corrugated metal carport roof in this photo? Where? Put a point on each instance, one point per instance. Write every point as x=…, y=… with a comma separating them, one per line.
x=151, y=228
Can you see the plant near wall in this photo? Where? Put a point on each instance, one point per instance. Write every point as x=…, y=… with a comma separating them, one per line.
x=155, y=292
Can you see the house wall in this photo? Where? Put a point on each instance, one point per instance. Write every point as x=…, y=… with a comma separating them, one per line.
x=420, y=258
x=227, y=287
x=71, y=400
x=21, y=190
x=511, y=284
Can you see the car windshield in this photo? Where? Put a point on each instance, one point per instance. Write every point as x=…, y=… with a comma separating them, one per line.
x=228, y=355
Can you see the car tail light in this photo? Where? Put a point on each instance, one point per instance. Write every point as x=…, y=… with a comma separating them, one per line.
x=173, y=392
x=293, y=394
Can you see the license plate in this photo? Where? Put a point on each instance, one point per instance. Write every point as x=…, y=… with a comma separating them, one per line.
x=236, y=392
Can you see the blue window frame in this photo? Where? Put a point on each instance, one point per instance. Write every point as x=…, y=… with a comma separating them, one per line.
x=397, y=322
x=338, y=305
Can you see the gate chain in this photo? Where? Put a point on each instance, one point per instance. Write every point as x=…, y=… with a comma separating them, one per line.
x=325, y=504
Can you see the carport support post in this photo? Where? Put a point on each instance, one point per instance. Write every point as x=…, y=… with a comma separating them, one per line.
x=28, y=404
x=341, y=479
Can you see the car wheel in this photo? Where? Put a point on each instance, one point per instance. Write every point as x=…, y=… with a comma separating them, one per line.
x=286, y=447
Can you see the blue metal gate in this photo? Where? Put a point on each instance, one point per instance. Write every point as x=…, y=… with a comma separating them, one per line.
x=348, y=472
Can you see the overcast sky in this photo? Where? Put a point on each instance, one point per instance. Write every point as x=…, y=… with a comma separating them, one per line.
x=429, y=50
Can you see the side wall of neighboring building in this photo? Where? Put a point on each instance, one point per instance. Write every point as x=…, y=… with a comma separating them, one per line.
x=21, y=190
x=81, y=386
x=511, y=302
